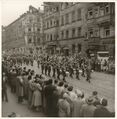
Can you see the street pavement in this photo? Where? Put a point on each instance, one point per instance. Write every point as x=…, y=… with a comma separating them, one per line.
x=103, y=83
x=21, y=110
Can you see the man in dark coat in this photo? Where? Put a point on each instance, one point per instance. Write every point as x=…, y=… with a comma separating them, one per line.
x=46, y=68
x=71, y=71
x=63, y=74
x=58, y=72
x=49, y=69
x=54, y=70
x=49, y=89
x=42, y=67
x=88, y=72
x=101, y=110
x=77, y=73
x=55, y=103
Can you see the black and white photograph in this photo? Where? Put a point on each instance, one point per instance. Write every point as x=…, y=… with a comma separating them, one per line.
x=57, y=58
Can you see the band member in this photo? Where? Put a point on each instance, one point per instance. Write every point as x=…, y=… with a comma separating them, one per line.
x=83, y=70
x=42, y=67
x=49, y=69
x=71, y=71
x=63, y=74
x=54, y=69
x=58, y=72
x=77, y=73
x=88, y=72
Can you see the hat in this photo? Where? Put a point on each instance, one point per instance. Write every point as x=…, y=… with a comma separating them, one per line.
x=104, y=102
x=95, y=93
x=70, y=88
x=89, y=100
x=61, y=83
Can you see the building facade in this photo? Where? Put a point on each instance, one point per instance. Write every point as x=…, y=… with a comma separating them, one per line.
x=25, y=34
x=84, y=28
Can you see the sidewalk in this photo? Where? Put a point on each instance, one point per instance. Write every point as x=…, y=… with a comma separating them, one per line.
x=20, y=109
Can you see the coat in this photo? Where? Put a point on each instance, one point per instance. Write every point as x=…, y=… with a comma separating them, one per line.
x=63, y=108
x=49, y=90
x=87, y=110
x=20, y=89
x=102, y=112
x=77, y=104
x=36, y=97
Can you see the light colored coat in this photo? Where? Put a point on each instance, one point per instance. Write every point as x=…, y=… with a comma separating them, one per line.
x=64, y=108
x=77, y=104
x=36, y=98
x=87, y=110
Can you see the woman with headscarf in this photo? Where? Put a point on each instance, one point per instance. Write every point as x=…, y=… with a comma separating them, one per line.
x=36, y=97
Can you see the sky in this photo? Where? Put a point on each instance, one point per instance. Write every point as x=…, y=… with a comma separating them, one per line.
x=12, y=9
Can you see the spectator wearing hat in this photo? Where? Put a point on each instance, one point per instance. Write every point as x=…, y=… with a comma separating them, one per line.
x=71, y=93
x=77, y=104
x=87, y=110
x=101, y=110
x=63, y=106
x=95, y=97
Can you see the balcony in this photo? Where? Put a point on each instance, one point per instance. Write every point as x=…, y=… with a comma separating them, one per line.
x=99, y=20
x=103, y=19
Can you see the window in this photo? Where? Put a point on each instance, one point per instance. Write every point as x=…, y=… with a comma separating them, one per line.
x=30, y=19
x=107, y=31
x=29, y=40
x=79, y=48
x=50, y=23
x=79, y=14
x=62, y=20
x=79, y=31
x=38, y=20
x=67, y=18
x=96, y=32
x=67, y=34
x=47, y=37
x=29, y=29
x=51, y=37
x=38, y=29
x=62, y=35
x=90, y=13
x=57, y=9
x=101, y=12
x=73, y=16
x=96, y=12
x=57, y=22
x=91, y=33
x=107, y=9
x=73, y=32
x=47, y=25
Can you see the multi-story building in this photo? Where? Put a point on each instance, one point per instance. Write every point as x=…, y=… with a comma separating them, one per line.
x=25, y=33
x=101, y=27
x=79, y=27
x=51, y=26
